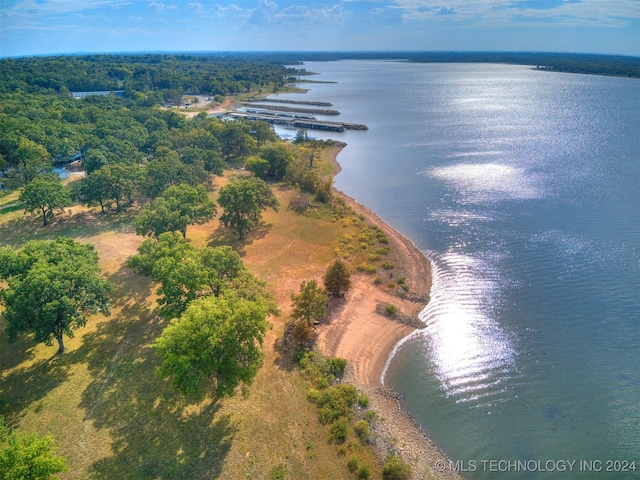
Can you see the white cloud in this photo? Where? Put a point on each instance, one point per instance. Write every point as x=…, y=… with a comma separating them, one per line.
x=196, y=7
x=514, y=12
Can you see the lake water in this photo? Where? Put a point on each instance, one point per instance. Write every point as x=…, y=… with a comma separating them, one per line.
x=522, y=187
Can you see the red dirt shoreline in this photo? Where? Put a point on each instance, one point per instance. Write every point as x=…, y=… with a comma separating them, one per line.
x=366, y=339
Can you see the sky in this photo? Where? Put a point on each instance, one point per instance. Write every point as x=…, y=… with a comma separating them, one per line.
x=38, y=27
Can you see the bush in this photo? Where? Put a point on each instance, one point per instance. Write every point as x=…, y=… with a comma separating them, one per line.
x=363, y=401
x=335, y=366
x=362, y=430
x=387, y=265
x=363, y=473
x=352, y=464
x=377, y=281
x=395, y=469
x=335, y=402
x=299, y=204
x=338, y=430
x=278, y=472
x=391, y=309
x=367, y=268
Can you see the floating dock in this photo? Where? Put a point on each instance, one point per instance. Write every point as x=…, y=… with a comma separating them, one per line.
x=294, y=122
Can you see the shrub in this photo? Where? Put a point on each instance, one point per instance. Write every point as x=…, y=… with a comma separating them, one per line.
x=362, y=430
x=377, y=281
x=338, y=430
x=387, y=265
x=363, y=473
x=391, y=309
x=335, y=366
x=363, y=401
x=352, y=464
x=335, y=402
x=371, y=415
x=367, y=268
x=278, y=472
x=395, y=469
x=299, y=204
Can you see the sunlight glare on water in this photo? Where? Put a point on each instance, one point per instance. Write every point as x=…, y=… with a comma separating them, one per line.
x=488, y=182
x=468, y=349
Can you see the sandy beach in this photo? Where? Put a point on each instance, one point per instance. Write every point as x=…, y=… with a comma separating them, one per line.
x=357, y=332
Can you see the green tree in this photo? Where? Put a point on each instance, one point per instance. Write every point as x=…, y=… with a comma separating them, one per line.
x=164, y=170
x=262, y=132
x=45, y=194
x=235, y=141
x=258, y=166
x=28, y=457
x=311, y=303
x=186, y=273
x=178, y=207
x=279, y=159
x=218, y=338
x=33, y=159
x=337, y=279
x=52, y=286
x=95, y=189
x=243, y=202
x=123, y=181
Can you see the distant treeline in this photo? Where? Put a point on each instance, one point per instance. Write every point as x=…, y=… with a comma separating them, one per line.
x=170, y=76
x=614, y=65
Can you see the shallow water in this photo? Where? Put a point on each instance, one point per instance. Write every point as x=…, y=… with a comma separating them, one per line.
x=522, y=187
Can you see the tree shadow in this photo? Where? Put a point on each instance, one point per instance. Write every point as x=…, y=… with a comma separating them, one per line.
x=24, y=386
x=156, y=432
x=226, y=236
x=16, y=232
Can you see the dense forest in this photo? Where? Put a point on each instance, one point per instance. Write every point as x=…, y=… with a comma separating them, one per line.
x=167, y=74
x=41, y=125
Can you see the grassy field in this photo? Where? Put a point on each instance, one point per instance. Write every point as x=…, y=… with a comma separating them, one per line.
x=110, y=415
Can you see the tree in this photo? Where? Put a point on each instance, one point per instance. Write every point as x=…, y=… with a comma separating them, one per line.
x=178, y=207
x=123, y=181
x=217, y=338
x=28, y=457
x=52, y=286
x=33, y=159
x=235, y=141
x=94, y=188
x=337, y=279
x=45, y=194
x=186, y=273
x=262, y=132
x=163, y=171
x=311, y=303
x=279, y=159
x=243, y=202
x=258, y=166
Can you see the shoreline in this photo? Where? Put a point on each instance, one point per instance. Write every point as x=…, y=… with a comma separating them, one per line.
x=366, y=339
